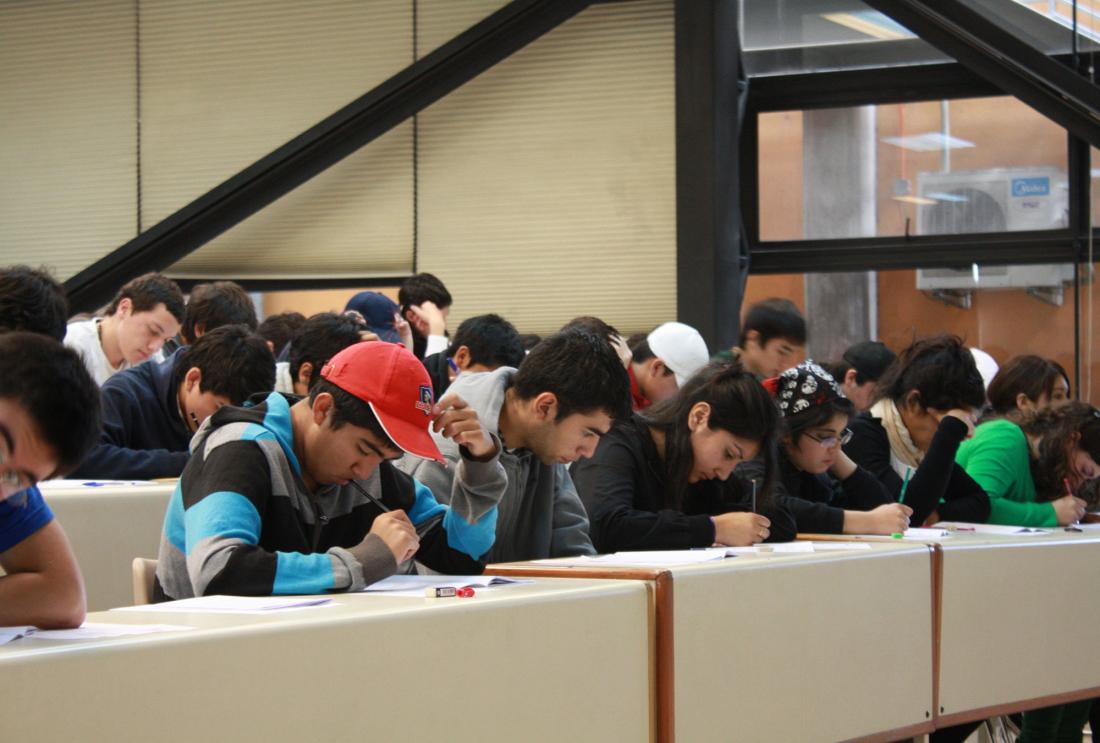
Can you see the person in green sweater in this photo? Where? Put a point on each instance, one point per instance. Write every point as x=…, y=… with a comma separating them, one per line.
x=1025, y=453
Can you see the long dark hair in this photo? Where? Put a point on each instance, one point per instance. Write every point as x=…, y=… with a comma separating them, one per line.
x=1055, y=427
x=738, y=404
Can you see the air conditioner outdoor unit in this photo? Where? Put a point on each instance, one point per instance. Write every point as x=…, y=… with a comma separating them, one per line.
x=996, y=200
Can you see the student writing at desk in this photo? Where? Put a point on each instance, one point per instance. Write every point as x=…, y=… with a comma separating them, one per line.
x=300, y=496
x=662, y=479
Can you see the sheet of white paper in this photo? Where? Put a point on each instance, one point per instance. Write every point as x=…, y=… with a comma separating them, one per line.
x=47, y=485
x=93, y=630
x=7, y=634
x=786, y=548
x=839, y=546
x=414, y=585
x=994, y=529
x=234, y=604
x=917, y=532
x=652, y=558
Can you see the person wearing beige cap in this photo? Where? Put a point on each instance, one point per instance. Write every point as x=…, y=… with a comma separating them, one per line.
x=667, y=358
x=301, y=497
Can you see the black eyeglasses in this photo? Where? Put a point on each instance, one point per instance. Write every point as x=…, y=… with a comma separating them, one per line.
x=830, y=441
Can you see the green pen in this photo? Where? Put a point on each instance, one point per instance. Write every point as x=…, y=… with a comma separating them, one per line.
x=905, y=484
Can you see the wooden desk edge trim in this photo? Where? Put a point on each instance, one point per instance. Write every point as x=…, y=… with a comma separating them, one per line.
x=1024, y=705
x=888, y=736
x=665, y=658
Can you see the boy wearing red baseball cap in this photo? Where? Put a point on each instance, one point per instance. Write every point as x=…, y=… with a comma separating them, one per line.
x=301, y=497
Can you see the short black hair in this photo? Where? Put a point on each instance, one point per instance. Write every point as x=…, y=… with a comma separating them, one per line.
x=216, y=304
x=941, y=370
x=347, y=408
x=581, y=369
x=529, y=340
x=51, y=383
x=234, y=362
x=423, y=287
x=32, y=300
x=774, y=318
x=147, y=291
x=491, y=340
x=320, y=338
x=279, y=329
x=870, y=359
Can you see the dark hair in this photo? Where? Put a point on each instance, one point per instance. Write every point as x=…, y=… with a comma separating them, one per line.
x=147, y=291
x=347, y=408
x=1032, y=375
x=423, y=287
x=870, y=359
x=529, y=340
x=51, y=383
x=33, y=301
x=774, y=318
x=738, y=404
x=837, y=369
x=279, y=329
x=234, y=362
x=214, y=305
x=491, y=340
x=641, y=351
x=817, y=415
x=942, y=371
x=320, y=338
x=594, y=325
x=1055, y=427
x=581, y=369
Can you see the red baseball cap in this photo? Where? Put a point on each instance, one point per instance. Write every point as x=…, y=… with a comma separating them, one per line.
x=397, y=388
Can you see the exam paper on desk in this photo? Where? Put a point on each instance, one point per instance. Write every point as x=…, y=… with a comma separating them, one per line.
x=234, y=604
x=414, y=585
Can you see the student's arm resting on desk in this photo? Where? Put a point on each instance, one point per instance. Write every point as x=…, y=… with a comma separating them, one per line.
x=606, y=486
x=43, y=585
x=987, y=463
x=570, y=528
x=221, y=519
x=114, y=457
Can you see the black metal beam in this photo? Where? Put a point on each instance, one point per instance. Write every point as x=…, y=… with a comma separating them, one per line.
x=277, y=285
x=925, y=251
x=1048, y=86
x=467, y=55
x=708, y=219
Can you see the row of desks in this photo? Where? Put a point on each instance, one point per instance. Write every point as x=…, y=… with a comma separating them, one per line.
x=876, y=644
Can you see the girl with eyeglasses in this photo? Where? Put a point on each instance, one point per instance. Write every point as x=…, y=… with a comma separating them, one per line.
x=927, y=403
x=663, y=479
x=824, y=489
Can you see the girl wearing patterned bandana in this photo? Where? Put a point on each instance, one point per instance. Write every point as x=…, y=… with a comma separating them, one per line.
x=824, y=489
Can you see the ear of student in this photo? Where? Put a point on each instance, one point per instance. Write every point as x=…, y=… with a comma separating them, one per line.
x=305, y=372
x=698, y=416
x=545, y=406
x=193, y=377
x=850, y=377
x=462, y=357
x=322, y=405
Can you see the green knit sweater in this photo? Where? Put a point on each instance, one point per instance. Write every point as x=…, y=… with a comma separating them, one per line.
x=998, y=459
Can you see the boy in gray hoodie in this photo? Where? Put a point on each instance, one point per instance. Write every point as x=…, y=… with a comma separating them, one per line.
x=548, y=414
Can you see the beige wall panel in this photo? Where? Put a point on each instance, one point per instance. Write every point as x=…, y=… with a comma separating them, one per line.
x=67, y=132
x=547, y=184
x=225, y=83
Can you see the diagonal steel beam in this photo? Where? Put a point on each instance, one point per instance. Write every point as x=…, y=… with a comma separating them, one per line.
x=419, y=85
x=1013, y=65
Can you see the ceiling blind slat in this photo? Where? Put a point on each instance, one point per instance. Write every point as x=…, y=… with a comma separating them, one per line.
x=547, y=184
x=67, y=132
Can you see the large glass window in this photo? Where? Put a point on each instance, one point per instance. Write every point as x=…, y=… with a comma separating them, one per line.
x=1003, y=310
x=937, y=167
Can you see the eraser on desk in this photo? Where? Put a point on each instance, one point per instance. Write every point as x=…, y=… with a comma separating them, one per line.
x=440, y=593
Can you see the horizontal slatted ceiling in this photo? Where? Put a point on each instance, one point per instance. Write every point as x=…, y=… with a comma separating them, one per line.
x=225, y=83
x=67, y=132
x=547, y=184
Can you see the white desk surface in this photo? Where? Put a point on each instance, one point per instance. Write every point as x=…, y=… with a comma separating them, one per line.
x=550, y=661
x=108, y=526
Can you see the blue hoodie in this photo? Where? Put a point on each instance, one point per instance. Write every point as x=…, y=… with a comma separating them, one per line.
x=143, y=435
